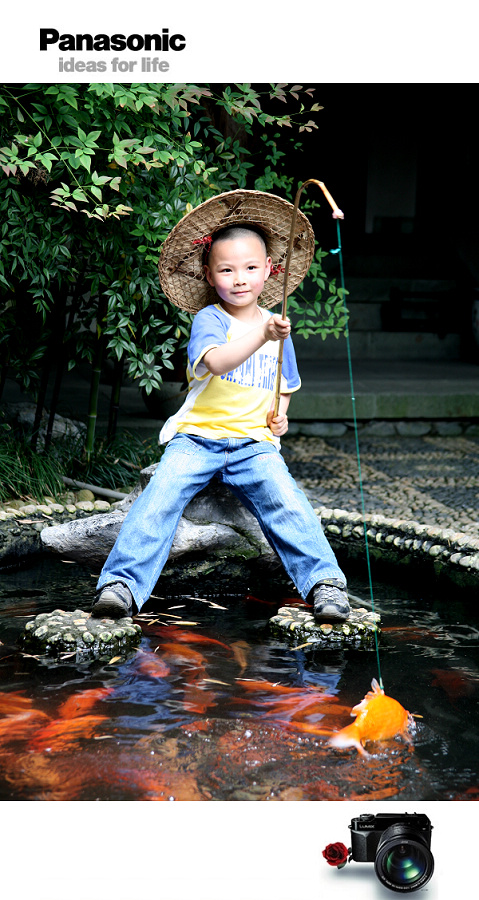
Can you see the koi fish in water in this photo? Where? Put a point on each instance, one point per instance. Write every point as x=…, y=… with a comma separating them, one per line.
x=172, y=633
x=151, y=665
x=378, y=718
x=240, y=652
x=456, y=683
x=81, y=703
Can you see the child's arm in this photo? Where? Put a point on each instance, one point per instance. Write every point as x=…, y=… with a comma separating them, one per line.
x=279, y=425
x=220, y=360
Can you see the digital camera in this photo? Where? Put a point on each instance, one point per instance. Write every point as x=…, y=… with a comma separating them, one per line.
x=398, y=845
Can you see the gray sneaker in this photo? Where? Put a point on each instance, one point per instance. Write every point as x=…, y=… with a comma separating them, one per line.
x=114, y=601
x=330, y=601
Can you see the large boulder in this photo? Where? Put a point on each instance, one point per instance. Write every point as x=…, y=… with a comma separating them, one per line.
x=214, y=524
x=23, y=414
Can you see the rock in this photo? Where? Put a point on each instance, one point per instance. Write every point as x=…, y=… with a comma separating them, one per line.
x=44, y=508
x=85, y=494
x=413, y=428
x=379, y=429
x=51, y=634
x=293, y=429
x=448, y=429
x=214, y=524
x=300, y=628
x=436, y=550
x=24, y=414
x=324, y=429
x=14, y=504
x=14, y=548
x=90, y=538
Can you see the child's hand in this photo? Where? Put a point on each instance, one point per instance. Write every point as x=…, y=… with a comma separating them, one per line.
x=276, y=328
x=278, y=424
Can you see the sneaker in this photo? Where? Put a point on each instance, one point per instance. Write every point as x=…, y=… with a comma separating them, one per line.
x=114, y=601
x=330, y=601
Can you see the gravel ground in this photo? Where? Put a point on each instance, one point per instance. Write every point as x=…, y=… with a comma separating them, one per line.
x=430, y=479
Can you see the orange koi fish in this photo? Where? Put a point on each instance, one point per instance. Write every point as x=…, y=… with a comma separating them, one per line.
x=172, y=633
x=378, y=717
x=13, y=702
x=19, y=726
x=183, y=655
x=198, y=700
x=455, y=682
x=299, y=705
x=81, y=703
x=153, y=666
x=193, y=727
x=250, y=598
x=296, y=601
x=64, y=734
x=270, y=687
x=18, y=717
x=240, y=653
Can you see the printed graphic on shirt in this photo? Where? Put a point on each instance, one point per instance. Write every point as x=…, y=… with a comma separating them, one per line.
x=257, y=371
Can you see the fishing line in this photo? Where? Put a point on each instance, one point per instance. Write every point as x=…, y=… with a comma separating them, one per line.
x=337, y=214
x=339, y=251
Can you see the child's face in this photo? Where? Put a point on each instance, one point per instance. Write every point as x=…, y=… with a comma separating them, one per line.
x=237, y=269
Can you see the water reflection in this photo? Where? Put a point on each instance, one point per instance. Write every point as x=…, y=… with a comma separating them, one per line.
x=220, y=710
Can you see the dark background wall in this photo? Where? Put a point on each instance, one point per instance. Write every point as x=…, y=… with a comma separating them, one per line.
x=401, y=161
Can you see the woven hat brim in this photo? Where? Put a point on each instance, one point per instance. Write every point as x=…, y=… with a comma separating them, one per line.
x=180, y=266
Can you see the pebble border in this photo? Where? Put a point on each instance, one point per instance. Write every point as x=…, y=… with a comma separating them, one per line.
x=81, y=501
x=387, y=428
x=456, y=550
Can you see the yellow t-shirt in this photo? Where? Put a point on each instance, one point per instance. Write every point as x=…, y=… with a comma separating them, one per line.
x=235, y=404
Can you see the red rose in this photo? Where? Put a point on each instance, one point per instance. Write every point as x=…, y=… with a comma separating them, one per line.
x=336, y=854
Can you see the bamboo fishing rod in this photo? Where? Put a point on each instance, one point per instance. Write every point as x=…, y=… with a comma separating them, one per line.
x=337, y=214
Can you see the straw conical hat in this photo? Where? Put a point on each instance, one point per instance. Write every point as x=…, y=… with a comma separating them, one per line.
x=181, y=261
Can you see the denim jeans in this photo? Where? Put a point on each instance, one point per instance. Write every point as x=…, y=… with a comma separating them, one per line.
x=257, y=474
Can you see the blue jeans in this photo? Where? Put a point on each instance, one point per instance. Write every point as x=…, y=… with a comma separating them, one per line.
x=257, y=474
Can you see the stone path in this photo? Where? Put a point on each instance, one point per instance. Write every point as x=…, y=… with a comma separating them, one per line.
x=430, y=479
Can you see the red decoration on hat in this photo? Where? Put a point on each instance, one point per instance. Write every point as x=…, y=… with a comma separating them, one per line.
x=206, y=240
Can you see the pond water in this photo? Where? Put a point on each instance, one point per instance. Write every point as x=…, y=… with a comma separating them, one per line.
x=213, y=707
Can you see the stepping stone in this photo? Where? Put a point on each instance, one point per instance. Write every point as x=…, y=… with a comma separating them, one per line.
x=300, y=628
x=77, y=632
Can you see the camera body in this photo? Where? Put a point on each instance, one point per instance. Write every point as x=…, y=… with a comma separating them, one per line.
x=367, y=830
x=398, y=845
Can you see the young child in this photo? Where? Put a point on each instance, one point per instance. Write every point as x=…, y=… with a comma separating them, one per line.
x=218, y=262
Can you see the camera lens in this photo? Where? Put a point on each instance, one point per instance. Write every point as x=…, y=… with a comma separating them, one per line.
x=405, y=864
x=403, y=859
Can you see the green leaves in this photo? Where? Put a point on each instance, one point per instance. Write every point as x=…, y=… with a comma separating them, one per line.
x=319, y=315
x=93, y=178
